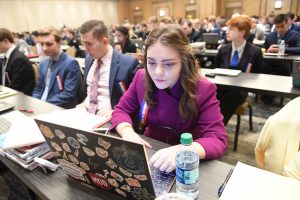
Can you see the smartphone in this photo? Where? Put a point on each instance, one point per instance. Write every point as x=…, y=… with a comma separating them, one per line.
x=103, y=131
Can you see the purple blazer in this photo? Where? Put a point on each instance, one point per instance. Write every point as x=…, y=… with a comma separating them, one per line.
x=164, y=122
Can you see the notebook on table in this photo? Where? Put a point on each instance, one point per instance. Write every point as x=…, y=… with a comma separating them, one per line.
x=226, y=72
x=6, y=92
x=5, y=106
x=106, y=162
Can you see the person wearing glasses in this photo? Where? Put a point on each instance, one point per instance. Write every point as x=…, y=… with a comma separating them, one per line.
x=172, y=98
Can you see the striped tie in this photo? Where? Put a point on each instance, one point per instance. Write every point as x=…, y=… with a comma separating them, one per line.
x=94, y=89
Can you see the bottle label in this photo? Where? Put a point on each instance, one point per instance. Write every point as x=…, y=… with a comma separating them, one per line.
x=187, y=176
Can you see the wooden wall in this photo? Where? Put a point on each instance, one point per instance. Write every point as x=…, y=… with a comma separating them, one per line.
x=206, y=8
x=23, y=15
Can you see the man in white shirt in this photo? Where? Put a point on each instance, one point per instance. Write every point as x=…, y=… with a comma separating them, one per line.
x=107, y=73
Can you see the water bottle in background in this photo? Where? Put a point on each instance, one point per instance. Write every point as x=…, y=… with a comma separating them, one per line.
x=187, y=168
x=281, y=48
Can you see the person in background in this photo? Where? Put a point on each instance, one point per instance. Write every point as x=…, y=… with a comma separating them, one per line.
x=38, y=48
x=107, y=73
x=59, y=75
x=241, y=55
x=152, y=23
x=73, y=41
x=166, y=20
x=17, y=72
x=266, y=26
x=144, y=31
x=28, y=38
x=172, y=98
x=190, y=32
x=130, y=29
x=257, y=29
x=21, y=44
x=290, y=20
x=271, y=20
x=213, y=27
x=292, y=46
x=292, y=42
x=124, y=43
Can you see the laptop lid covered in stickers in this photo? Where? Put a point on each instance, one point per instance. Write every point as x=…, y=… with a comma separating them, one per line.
x=106, y=162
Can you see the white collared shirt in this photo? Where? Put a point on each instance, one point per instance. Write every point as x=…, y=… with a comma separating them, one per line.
x=103, y=96
x=7, y=55
x=240, y=50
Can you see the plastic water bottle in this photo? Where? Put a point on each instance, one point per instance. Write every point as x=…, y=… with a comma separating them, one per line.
x=187, y=168
x=281, y=48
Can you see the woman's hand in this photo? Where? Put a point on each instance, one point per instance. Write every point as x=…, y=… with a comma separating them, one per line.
x=164, y=159
x=105, y=113
x=126, y=131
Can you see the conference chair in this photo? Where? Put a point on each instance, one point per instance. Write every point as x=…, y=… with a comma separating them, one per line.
x=71, y=51
x=239, y=111
x=35, y=72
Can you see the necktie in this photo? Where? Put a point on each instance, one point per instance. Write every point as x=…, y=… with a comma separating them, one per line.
x=3, y=62
x=47, y=80
x=94, y=89
x=235, y=59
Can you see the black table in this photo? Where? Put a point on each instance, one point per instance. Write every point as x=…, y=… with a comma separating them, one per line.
x=257, y=83
x=59, y=186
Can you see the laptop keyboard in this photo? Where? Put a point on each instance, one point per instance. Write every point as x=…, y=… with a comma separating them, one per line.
x=162, y=182
x=4, y=125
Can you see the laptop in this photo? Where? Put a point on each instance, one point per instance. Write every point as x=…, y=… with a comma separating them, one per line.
x=210, y=38
x=106, y=162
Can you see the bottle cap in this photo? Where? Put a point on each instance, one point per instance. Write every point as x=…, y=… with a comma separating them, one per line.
x=186, y=138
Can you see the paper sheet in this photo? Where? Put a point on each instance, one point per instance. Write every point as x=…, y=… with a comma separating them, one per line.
x=22, y=133
x=77, y=118
x=249, y=183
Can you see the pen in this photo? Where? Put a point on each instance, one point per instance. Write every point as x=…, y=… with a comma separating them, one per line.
x=25, y=110
x=222, y=187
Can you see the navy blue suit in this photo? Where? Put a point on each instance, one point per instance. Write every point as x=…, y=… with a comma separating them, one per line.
x=231, y=99
x=251, y=54
x=123, y=68
x=292, y=41
x=291, y=38
x=68, y=71
x=295, y=27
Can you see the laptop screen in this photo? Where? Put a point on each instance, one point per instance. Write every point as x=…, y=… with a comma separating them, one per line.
x=106, y=162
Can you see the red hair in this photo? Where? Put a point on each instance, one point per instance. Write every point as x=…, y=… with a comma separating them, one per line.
x=242, y=22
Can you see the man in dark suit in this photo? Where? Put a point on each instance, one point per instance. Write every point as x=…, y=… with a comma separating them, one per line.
x=290, y=19
x=107, y=70
x=238, y=55
x=17, y=72
x=190, y=32
x=59, y=74
x=292, y=42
